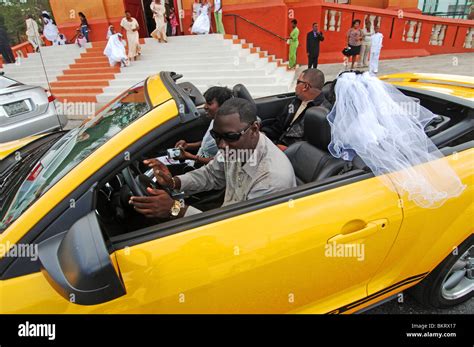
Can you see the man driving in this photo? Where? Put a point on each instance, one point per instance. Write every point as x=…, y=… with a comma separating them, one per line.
x=248, y=165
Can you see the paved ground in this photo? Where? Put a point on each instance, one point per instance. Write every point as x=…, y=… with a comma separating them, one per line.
x=456, y=64
x=411, y=306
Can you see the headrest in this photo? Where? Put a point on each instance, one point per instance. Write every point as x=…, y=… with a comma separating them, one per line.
x=240, y=91
x=328, y=91
x=316, y=127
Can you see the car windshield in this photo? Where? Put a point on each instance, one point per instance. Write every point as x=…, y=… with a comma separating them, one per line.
x=73, y=148
x=6, y=82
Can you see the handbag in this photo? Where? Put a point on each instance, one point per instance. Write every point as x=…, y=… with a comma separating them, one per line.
x=346, y=51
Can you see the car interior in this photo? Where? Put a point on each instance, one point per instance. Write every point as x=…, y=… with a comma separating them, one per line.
x=311, y=160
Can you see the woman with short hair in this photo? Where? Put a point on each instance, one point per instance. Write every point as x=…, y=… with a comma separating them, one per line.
x=354, y=40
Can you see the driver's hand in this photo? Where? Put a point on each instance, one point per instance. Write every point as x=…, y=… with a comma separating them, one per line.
x=157, y=205
x=161, y=171
x=181, y=144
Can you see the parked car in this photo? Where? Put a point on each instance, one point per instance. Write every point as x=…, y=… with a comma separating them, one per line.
x=26, y=110
x=67, y=197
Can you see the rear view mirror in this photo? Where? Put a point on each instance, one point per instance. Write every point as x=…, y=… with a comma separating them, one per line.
x=78, y=266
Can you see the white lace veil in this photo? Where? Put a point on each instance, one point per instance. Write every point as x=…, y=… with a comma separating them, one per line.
x=385, y=128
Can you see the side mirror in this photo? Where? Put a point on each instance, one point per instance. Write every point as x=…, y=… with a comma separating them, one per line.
x=78, y=266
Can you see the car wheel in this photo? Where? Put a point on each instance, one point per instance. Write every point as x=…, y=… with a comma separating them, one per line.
x=452, y=282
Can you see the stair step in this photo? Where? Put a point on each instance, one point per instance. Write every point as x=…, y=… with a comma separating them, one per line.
x=92, y=60
x=97, y=65
x=76, y=90
x=92, y=54
x=76, y=71
x=76, y=98
x=86, y=77
x=88, y=83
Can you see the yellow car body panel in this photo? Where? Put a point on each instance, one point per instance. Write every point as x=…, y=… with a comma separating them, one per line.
x=84, y=170
x=276, y=259
x=254, y=262
x=454, y=85
x=9, y=147
x=440, y=78
x=157, y=90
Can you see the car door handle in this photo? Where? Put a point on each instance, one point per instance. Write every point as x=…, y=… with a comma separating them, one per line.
x=351, y=235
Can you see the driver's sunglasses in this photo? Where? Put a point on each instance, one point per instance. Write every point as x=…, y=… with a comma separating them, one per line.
x=229, y=137
x=300, y=81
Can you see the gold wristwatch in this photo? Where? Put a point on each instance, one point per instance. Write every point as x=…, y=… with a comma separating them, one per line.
x=175, y=209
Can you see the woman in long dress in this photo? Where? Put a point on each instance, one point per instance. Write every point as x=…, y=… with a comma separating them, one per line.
x=294, y=43
x=50, y=29
x=131, y=26
x=32, y=32
x=202, y=24
x=115, y=51
x=159, y=12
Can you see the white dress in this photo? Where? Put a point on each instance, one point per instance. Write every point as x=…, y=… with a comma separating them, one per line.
x=375, y=47
x=133, y=37
x=115, y=51
x=159, y=12
x=202, y=24
x=50, y=30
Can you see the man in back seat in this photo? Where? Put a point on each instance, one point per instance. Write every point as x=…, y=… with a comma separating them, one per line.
x=288, y=127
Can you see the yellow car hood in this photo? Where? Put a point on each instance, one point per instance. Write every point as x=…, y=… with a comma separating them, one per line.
x=10, y=147
x=454, y=85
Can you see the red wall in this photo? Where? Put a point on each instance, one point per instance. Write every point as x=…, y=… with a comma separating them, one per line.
x=274, y=16
x=393, y=46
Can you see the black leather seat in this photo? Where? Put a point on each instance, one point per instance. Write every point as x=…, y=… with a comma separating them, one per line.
x=240, y=91
x=311, y=159
x=328, y=92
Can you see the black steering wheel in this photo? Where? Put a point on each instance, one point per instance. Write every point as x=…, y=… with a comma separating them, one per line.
x=133, y=182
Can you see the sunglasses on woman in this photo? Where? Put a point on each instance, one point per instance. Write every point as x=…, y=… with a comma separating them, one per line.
x=229, y=137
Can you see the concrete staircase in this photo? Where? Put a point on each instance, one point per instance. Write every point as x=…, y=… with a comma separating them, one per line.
x=206, y=61
x=84, y=75
x=31, y=70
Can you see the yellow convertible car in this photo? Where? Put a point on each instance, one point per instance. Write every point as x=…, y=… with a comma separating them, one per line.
x=340, y=242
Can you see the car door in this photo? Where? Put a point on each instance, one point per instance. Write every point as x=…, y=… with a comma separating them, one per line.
x=274, y=256
x=428, y=235
x=284, y=257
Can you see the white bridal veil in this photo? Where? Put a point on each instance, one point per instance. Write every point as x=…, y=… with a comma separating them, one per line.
x=385, y=128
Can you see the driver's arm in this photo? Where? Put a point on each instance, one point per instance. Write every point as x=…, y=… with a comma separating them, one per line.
x=206, y=178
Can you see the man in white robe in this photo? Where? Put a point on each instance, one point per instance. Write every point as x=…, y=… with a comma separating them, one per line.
x=375, y=48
